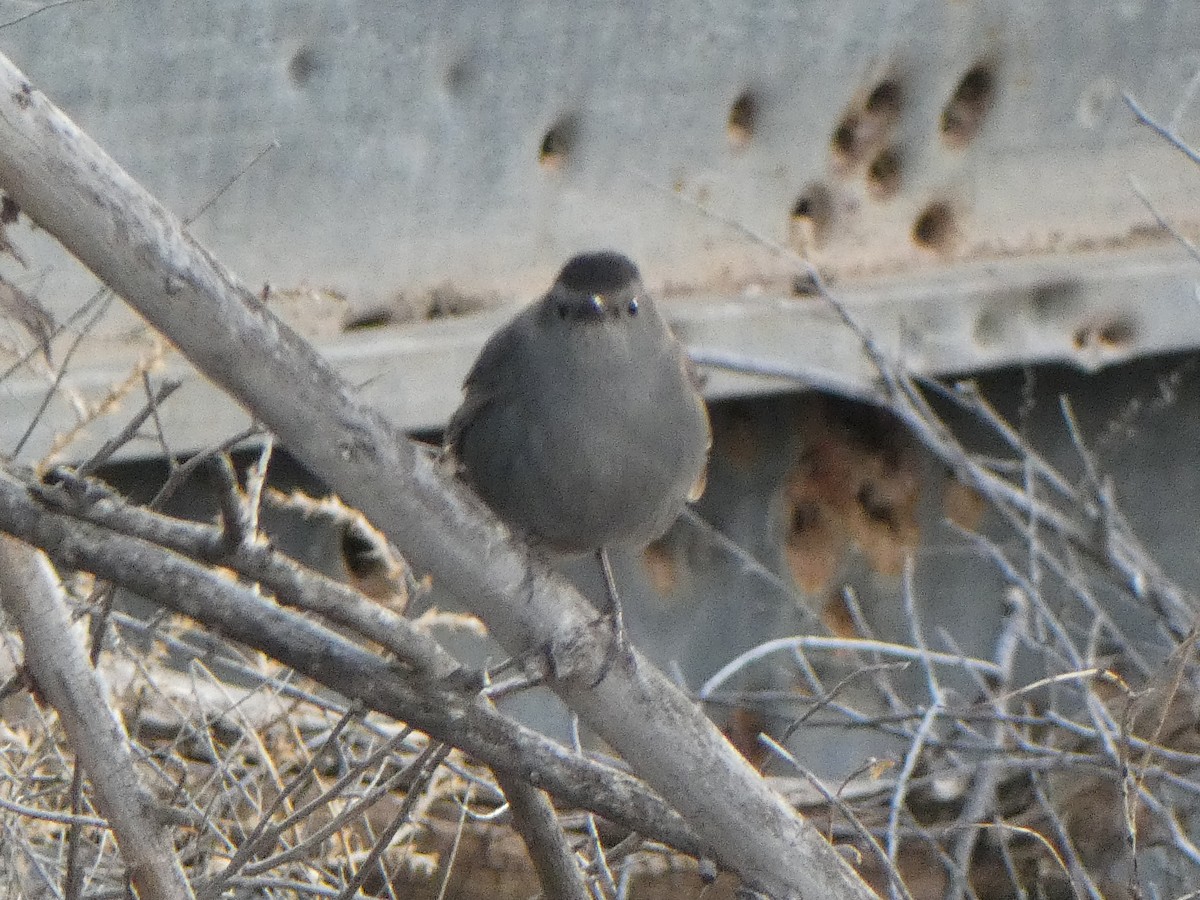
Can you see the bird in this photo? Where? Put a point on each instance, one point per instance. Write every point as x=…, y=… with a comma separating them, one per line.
x=582, y=425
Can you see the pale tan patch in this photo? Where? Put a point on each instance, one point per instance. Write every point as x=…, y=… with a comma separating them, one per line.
x=662, y=568
x=963, y=505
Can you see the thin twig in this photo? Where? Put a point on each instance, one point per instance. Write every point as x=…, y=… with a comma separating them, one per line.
x=887, y=863
x=1162, y=131
x=838, y=644
x=426, y=766
x=129, y=432
x=52, y=392
x=599, y=863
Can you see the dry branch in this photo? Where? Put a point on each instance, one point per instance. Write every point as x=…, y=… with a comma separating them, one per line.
x=533, y=816
x=33, y=598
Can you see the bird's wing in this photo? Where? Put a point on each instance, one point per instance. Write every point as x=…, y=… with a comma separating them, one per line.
x=489, y=377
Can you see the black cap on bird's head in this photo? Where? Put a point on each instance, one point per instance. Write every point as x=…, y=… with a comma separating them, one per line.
x=593, y=286
x=605, y=272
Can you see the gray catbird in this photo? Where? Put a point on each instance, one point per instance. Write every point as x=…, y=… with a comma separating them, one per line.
x=581, y=424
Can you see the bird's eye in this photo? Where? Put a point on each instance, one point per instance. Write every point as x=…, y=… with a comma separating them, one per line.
x=564, y=310
x=633, y=307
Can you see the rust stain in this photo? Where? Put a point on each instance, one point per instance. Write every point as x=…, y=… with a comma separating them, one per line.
x=662, y=568
x=856, y=485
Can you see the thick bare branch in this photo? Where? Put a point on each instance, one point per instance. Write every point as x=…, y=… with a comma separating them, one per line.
x=33, y=598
